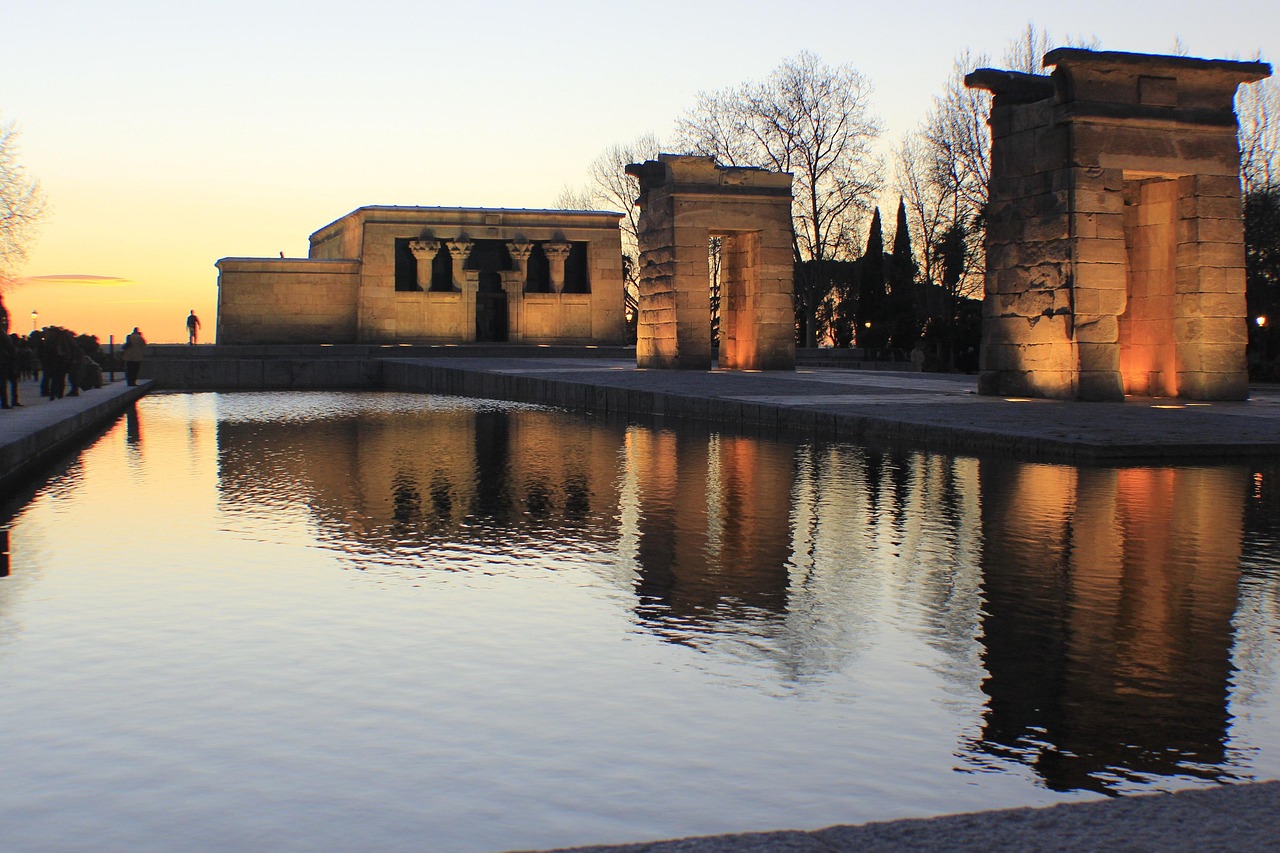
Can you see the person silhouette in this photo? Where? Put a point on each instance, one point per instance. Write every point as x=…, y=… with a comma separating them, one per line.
x=193, y=327
x=134, y=347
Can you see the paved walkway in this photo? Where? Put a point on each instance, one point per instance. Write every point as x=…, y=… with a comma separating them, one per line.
x=41, y=430
x=1230, y=818
x=938, y=411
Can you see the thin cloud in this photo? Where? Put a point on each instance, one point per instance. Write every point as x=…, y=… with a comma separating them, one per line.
x=79, y=279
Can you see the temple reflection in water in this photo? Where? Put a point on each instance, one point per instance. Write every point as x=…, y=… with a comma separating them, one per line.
x=1107, y=626
x=1089, y=611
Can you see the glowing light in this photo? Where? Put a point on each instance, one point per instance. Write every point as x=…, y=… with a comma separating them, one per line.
x=1169, y=406
x=1261, y=321
x=1018, y=400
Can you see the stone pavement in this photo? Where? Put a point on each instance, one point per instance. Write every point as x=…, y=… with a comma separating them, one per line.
x=41, y=430
x=1228, y=818
x=935, y=411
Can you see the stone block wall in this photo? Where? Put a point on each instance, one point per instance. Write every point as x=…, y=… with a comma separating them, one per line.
x=1115, y=259
x=684, y=202
x=346, y=290
x=294, y=300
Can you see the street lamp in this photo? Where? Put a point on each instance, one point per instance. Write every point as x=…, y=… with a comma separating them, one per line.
x=34, y=318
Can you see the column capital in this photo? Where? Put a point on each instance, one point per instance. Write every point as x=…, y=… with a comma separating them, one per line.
x=520, y=252
x=556, y=254
x=460, y=249
x=424, y=250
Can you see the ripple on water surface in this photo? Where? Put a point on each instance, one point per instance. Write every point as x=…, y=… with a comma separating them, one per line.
x=389, y=621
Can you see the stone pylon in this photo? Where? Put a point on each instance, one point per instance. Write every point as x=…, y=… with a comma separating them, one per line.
x=1115, y=244
x=684, y=202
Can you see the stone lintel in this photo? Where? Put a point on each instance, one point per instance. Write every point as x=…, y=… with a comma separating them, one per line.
x=1154, y=64
x=680, y=173
x=1146, y=115
x=1011, y=87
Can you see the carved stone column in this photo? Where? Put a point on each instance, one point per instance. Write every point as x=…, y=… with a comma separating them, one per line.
x=459, y=250
x=520, y=254
x=556, y=254
x=424, y=252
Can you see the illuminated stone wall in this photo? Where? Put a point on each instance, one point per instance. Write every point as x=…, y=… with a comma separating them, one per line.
x=684, y=202
x=261, y=300
x=1115, y=258
x=435, y=275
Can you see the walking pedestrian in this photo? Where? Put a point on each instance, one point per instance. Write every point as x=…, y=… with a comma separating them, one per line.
x=134, y=347
x=193, y=326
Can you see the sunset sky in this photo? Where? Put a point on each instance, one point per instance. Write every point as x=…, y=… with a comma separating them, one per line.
x=169, y=135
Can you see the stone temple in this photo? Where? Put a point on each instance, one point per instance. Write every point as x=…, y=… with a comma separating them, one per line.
x=1115, y=244
x=434, y=275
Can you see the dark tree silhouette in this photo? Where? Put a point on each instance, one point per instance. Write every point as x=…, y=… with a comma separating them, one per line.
x=906, y=303
x=872, y=327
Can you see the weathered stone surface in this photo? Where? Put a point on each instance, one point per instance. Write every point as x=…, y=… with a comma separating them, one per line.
x=297, y=300
x=694, y=199
x=1211, y=330
x=1114, y=239
x=1095, y=300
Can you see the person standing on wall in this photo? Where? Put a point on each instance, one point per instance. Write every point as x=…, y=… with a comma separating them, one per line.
x=193, y=327
x=134, y=347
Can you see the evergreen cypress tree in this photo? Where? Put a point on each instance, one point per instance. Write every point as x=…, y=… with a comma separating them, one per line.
x=871, y=317
x=905, y=299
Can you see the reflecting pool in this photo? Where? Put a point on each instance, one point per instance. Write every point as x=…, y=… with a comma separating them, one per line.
x=380, y=621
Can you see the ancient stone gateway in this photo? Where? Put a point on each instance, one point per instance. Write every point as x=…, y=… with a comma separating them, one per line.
x=684, y=201
x=1115, y=256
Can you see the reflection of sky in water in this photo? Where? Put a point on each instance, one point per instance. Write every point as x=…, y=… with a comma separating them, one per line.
x=354, y=621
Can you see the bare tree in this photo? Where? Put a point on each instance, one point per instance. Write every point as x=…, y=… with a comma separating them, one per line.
x=609, y=187
x=575, y=198
x=929, y=205
x=22, y=205
x=1258, y=110
x=942, y=171
x=814, y=121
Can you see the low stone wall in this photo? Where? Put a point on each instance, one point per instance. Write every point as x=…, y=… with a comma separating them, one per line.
x=318, y=367
x=50, y=431
x=551, y=389
x=355, y=366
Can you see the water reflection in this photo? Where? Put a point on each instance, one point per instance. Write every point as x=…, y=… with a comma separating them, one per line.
x=1107, y=625
x=714, y=535
x=1090, y=611
x=400, y=479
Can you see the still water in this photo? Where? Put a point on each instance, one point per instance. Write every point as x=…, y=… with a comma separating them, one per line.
x=380, y=621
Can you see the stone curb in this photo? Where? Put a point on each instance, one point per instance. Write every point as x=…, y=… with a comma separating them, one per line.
x=815, y=417
x=1242, y=817
x=31, y=439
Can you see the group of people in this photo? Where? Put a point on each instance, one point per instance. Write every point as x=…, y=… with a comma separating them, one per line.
x=59, y=359
x=55, y=356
